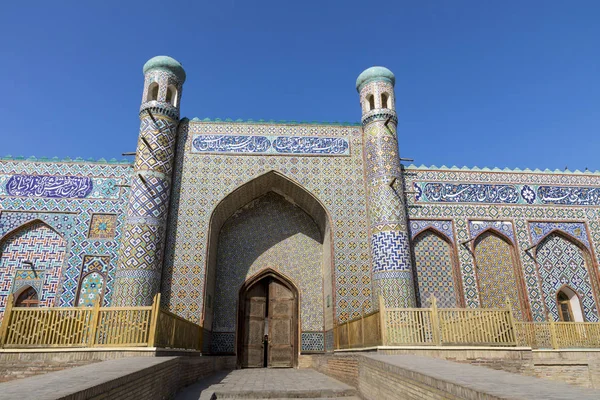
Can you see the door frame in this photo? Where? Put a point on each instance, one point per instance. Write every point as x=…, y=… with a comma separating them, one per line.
x=239, y=332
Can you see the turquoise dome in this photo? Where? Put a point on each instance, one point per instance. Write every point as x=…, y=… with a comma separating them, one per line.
x=165, y=63
x=375, y=74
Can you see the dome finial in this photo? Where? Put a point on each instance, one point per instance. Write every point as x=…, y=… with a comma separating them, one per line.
x=166, y=63
x=375, y=74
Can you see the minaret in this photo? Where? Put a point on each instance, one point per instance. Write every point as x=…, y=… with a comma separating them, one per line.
x=390, y=248
x=142, y=244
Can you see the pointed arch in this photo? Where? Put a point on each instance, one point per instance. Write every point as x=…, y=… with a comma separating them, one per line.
x=248, y=204
x=92, y=287
x=33, y=255
x=436, y=269
x=27, y=296
x=568, y=303
x=498, y=273
x=24, y=225
x=563, y=260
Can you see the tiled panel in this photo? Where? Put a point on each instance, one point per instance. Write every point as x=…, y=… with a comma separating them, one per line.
x=433, y=267
x=561, y=263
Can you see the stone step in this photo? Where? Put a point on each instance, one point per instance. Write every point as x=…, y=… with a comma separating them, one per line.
x=345, y=394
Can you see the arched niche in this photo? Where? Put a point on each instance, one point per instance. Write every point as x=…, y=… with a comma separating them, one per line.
x=498, y=273
x=569, y=305
x=563, y=261
x=268, y=222
x=32, y=254
x=436, y=271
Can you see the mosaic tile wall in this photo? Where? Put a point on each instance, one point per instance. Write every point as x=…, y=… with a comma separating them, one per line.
x=201, y=181
x=433, y=269
x=561, y=263
x=495, y=273
x=533, y=202
x=39, y=244
x=81, y=201
x=270, y=232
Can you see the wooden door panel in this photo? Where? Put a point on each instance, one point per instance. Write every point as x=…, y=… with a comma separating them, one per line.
x=254, y=327
x=281, y=325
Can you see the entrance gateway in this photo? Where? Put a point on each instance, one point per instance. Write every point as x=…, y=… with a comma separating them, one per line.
x=267, y=322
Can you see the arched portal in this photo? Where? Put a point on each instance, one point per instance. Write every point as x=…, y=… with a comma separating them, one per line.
x=435, y=270
x=267, y=322
x=32, y=255
x=563, y=261
x=497, y=274
x=269, y=223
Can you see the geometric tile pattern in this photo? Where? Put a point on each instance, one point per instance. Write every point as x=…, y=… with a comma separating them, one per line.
x=312, y=341
x=575, y=229
x=202, y=181
x=443, y=226
x=103, y=226
x=269, y=232
x=504, y=227
x=562, y=262
x=222, y=342
x=34, y=248
x=390, y=252
x=148, y=203
x=496, y=273
x=92, y=288
x=70, y=217
x=93, y=279
x=433, y=267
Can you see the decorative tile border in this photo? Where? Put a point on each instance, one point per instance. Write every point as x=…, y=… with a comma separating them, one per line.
x=441, y=192
x=504, y=227
x=575, y=229
x=281, y=145
x=443, y=226
x=58, y=187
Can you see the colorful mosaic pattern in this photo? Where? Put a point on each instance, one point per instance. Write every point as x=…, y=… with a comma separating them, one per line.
x=504, y=227
x=496, y=273
x=91, y=289
x=433, y=267
x=68, y=216
x=390, y=241
x=300, y=145
x=443, y=226
x=312, y=342
x=506, y=194
x=575, y=229
x=141, y=262
x=103, y=226
x=201, y=181
x=270, y=232
x=35, y=247
x=93, y=279
x=561, y=263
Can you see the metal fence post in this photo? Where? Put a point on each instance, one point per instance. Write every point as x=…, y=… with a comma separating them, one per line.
x=6, y=319
x=91, y=340
x=435, y=322
x=383, y=321
x=553, y=337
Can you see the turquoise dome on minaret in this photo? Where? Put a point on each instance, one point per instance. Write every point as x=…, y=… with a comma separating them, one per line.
x=375, y=74
x=166, y=63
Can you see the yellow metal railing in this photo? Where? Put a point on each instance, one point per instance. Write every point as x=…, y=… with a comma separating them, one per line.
x=558, y=335
x=97, y=327
x=461, y=327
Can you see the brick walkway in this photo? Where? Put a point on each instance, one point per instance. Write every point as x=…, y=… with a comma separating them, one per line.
x=270, y=383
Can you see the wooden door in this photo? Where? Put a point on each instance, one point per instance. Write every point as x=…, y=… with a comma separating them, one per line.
x=281, y=325
x=255, y=311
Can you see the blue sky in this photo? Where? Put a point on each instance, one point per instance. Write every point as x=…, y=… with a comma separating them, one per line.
x=502, y=83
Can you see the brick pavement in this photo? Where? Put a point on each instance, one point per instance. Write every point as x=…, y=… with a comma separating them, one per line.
x=268, y=383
